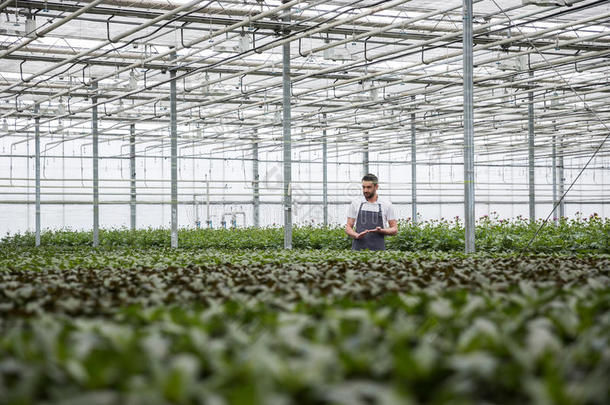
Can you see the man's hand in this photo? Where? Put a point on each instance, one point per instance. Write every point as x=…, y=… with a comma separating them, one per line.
x=379, y=230
x=361, y=234
x=392, y=230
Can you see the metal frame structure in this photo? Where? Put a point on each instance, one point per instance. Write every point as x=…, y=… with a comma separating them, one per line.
x=518, y=85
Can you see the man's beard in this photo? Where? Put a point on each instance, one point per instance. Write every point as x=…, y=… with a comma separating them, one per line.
x=369, y=195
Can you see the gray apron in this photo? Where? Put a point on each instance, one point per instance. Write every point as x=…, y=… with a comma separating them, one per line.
x=369, y=220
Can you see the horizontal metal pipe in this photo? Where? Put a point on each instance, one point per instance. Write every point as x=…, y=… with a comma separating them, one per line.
x=245, y=202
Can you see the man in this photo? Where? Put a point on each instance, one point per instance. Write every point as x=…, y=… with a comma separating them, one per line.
x=371, y=215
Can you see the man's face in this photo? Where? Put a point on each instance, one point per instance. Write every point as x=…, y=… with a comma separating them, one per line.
x=369, y=189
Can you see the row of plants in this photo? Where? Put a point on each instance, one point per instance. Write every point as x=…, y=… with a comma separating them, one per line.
x=72, y=258
x=418, y=347
x=491, y=235
x=99, y=286
x=163, y=326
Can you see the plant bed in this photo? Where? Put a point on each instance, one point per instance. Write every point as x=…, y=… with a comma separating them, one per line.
x=186, y=326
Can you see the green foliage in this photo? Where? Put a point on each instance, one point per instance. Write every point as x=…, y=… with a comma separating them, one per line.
x=491, y=235
x=434, y=235
x=189, y=326
x=231, y=318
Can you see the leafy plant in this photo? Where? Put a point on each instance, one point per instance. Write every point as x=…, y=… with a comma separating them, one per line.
x=134, y=321
x=491, y=235
x=305, y=326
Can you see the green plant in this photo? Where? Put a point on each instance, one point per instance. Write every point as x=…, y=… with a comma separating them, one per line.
x=159, y=325
x=491, y=235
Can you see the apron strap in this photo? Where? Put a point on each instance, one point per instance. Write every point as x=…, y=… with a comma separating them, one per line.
x=358, y=213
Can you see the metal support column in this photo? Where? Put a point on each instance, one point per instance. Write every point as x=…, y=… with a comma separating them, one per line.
x=96, y=180
x=208, y=218
x=286, y=123
x=365, y=154
x=530, y=148
x=554, y=173
x=196, y=211
x=324, y=172
x=256, y=186
x=562, y=180
x=174, y=154
x=413, y=168
x=37, y=169
x=468, y=129
x=28, y=186
x=132, y=176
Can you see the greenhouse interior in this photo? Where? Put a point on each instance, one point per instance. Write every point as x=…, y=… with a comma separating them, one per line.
x=176, y=178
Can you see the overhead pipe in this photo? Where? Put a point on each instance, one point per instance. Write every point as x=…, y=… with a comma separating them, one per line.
x=259, y=16
x=43, y=32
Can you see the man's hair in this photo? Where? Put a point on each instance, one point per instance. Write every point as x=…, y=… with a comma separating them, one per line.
x=370, y=177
